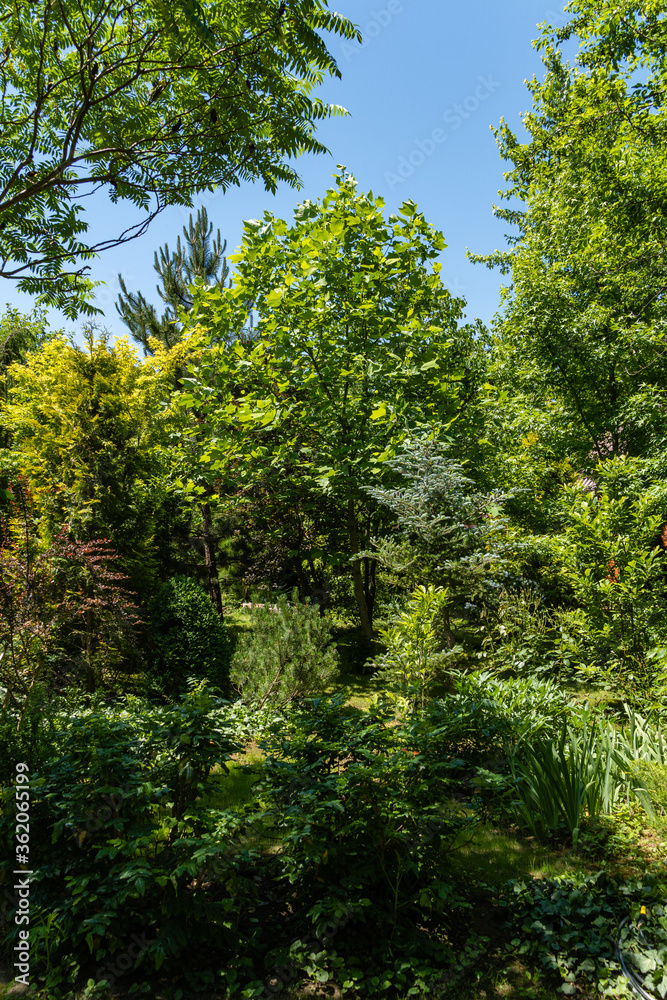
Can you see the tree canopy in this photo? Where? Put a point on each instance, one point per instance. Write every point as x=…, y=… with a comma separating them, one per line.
x=357, y=341
x=152, y=102
x=582, y=329
x=86, y=425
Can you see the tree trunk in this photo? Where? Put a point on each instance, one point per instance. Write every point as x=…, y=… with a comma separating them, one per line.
x=447, y=628
x=365, y=614
x=90, y=673
x=301, y=576
x=211, y=562
x=370, y=570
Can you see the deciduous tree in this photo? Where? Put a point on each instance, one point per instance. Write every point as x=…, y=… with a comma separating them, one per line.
x=152, y=102
x=357, y=340
x=581, y=337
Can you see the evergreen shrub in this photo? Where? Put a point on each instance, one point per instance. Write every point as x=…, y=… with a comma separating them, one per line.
x=288, y=654
x=187, y=637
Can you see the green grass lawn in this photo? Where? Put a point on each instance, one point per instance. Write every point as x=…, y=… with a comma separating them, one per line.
x=496, y=855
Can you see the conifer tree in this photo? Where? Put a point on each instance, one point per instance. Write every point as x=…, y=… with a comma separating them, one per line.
x=200, y=258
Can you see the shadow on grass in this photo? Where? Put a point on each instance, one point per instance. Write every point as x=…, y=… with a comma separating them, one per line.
x=495, y=856
x=234, y=788
x=355, y=650
x=356, y=689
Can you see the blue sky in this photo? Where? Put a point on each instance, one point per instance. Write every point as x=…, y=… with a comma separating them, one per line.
x=422, y=92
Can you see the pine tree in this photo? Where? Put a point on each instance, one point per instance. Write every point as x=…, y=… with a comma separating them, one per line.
x=200, y=258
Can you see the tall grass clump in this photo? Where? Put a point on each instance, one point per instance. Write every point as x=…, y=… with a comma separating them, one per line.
x=585, y=772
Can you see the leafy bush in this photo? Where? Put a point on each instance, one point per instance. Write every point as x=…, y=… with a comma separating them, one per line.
x=612, y=558
x=522, y=637
x=248, y=722
x=30, y=743
x=120, y=842
x=414, y=651
x=288, y=654
x=187, y=637
x=361, y=807
x=650, y=780
x=485, y=716
x=530, y=704
x=45, y=723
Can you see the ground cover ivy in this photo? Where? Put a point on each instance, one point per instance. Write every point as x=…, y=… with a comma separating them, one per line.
x=568, y=926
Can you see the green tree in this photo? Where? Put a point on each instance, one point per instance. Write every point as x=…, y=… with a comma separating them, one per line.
x=200, y=259
x=357, y=340
x=445, y=532
x=19, y=334
x=613, y=557
x=153, y=102
x=580, y=341
x=287, y=656
x=413, y=647
x=87, y=426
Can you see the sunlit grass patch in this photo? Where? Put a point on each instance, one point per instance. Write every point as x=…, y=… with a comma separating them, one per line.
x=497, y=855
x=600, y=700
x=356, y=690
x=234, y=787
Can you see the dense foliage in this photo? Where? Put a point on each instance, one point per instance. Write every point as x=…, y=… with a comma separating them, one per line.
x=333, y=632
x=357, y=340
x=152, y=102
x=187, y=637
x=287, y=654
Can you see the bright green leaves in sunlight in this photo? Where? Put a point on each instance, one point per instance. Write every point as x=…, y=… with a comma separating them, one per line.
x=356, y=341
x=86, y=427
x=583, y=325
x=354, y=329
